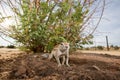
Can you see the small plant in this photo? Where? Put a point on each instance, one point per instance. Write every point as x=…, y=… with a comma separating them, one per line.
x=87, y=48
x=10, y=46
x=116, y=48
x=100, y=47
x=1, y=46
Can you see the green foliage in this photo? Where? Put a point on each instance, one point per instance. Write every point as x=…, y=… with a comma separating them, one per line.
x=46, y=24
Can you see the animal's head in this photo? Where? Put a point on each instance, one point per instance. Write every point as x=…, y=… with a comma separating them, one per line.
x=64, y=46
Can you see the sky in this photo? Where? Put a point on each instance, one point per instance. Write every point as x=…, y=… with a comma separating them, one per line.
x=109, y=26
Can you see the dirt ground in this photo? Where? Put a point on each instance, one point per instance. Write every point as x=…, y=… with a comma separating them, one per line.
x=83, y=66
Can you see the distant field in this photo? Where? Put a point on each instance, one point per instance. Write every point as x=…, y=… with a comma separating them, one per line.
x=8, y=53
x=117, y=53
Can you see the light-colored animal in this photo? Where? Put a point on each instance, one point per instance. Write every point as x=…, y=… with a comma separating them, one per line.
x=61, y=50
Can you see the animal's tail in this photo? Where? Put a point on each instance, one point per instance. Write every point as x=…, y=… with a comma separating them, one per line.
x=46, y=55
x=50, y=56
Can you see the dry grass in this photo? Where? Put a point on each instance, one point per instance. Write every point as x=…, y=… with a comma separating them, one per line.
x=116, y=53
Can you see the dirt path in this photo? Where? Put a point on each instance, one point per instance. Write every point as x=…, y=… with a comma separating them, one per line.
x=83, y=66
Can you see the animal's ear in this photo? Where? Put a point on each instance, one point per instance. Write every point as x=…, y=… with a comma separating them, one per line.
x=68, y=43
x=61, y=43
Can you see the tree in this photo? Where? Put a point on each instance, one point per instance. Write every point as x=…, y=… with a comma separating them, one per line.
x=41, y=24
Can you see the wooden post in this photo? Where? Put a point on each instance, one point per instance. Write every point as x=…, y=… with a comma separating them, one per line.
x=107, y=43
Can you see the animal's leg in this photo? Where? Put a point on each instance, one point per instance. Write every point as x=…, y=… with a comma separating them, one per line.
x=67, y=60
x=63, y=62
x=58, y=61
